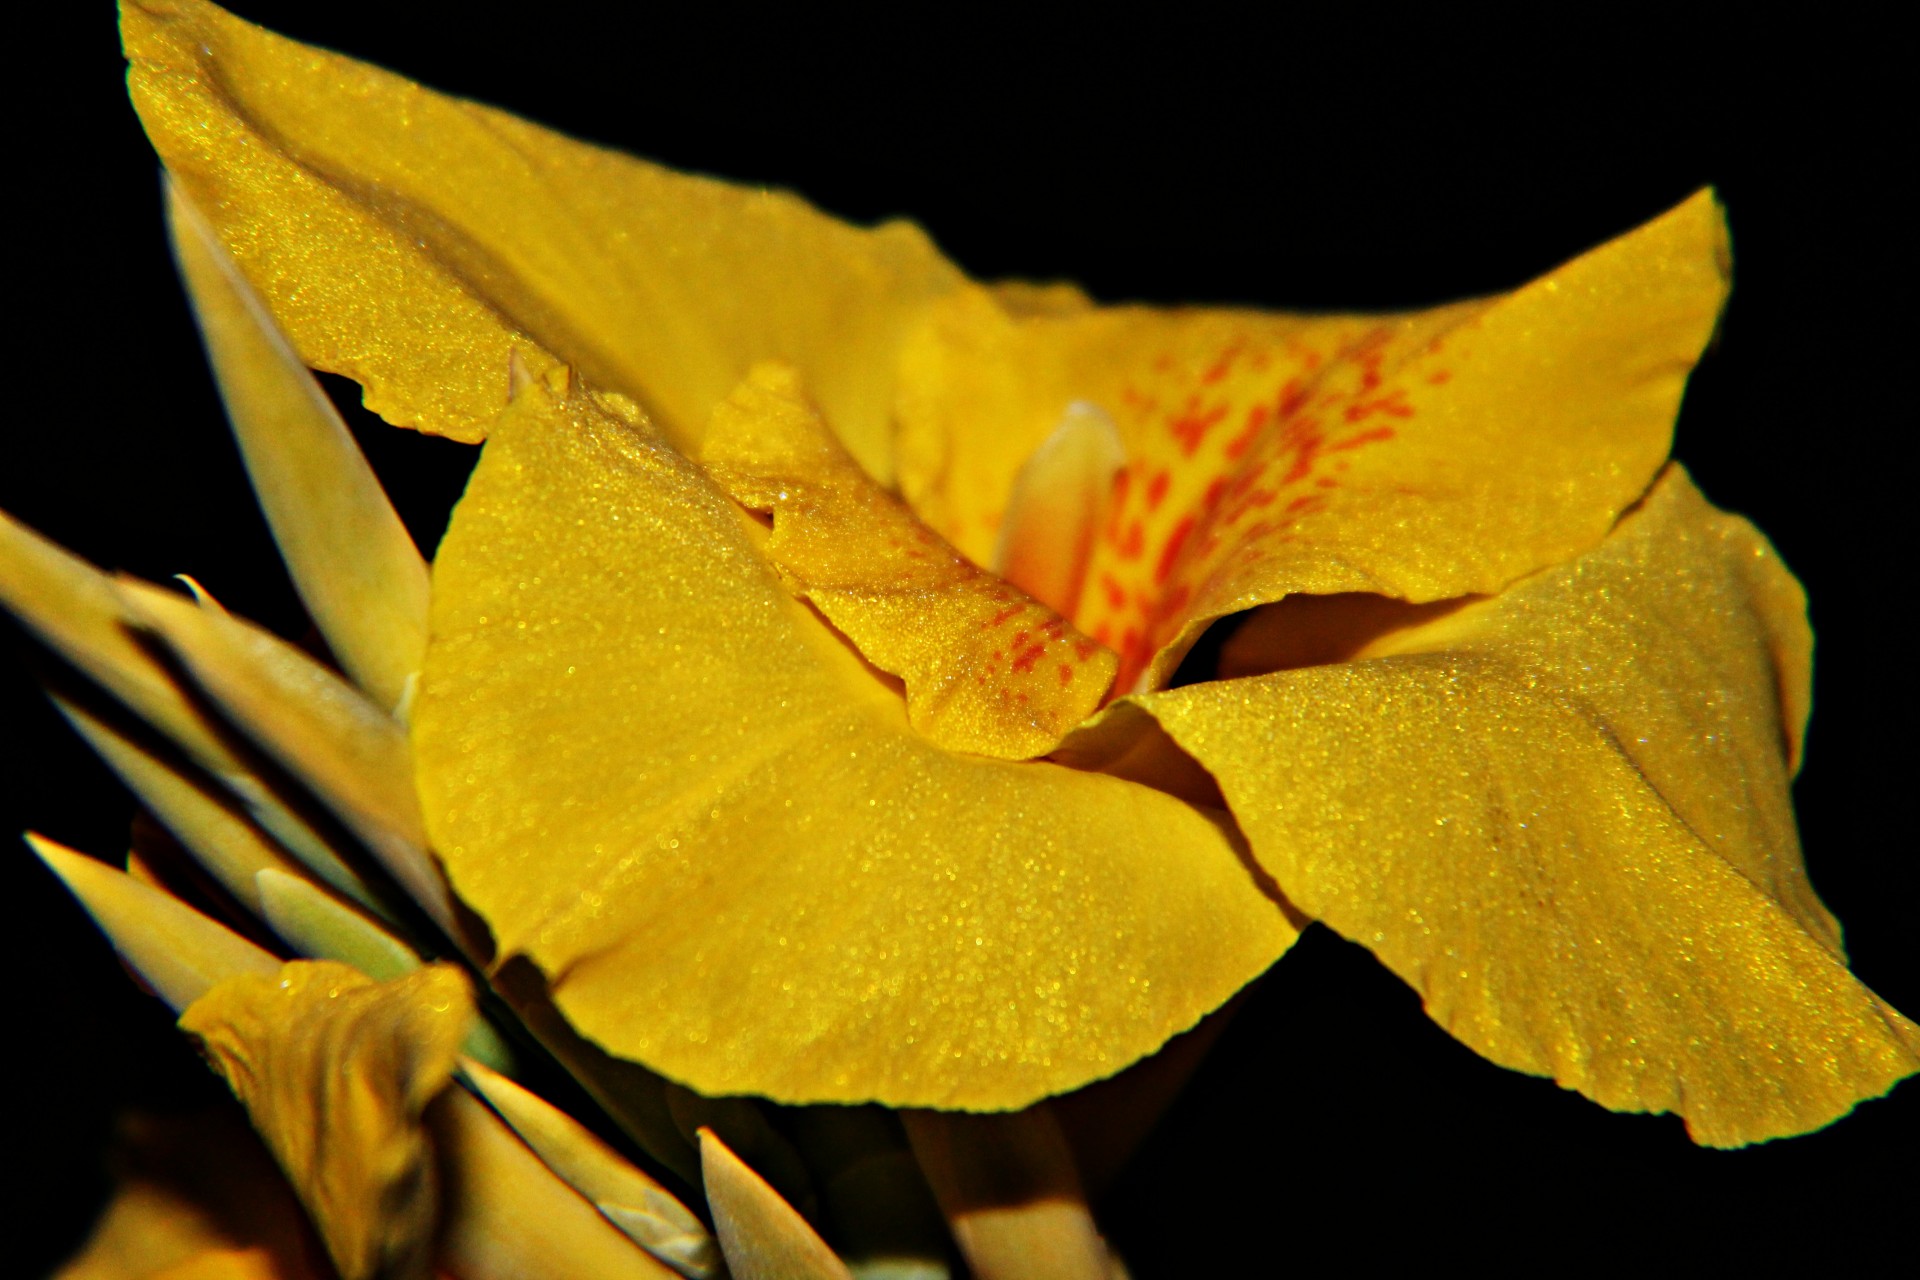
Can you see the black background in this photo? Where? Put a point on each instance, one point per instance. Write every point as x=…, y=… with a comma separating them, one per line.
x=1353, y=162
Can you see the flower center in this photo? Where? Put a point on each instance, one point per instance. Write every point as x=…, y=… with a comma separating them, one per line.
x=986, y=668
x=1059, y=502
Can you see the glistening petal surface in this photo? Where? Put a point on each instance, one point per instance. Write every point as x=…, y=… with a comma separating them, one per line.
x=665, y=781
x=414, y=242
x=1562, y=815
x=1419, y=456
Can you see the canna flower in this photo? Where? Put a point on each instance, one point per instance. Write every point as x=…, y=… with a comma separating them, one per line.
x=808, y=699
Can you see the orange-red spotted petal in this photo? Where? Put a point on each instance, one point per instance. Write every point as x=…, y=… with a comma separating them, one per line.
x=1419, y=456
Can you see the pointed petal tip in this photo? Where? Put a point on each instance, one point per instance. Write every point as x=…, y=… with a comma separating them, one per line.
x=352, y=560
x=762, y=1236
x=58, y=857
x=177, y=951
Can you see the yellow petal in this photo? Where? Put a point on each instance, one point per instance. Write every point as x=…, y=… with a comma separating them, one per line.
x=663, y=780
x=742, y=1124
x=1562, y=815
x=1419, y=456
x=335, y=1070
x=356, y=568
x=414, y=242
x=763, y=1236
x=643, y=1209
x=630, y=1095
x=321, y=927
x=509, y=1218
x=80, y=613
x=176, y=951
x=987, y=668
x=1008, y=1186
x=350, y=752
x=230, y=849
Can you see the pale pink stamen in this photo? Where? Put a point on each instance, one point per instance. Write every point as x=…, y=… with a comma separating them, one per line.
x=1058, y=502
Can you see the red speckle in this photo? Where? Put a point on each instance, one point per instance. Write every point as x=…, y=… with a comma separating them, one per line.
x=1306, y=502
x=1122, y=481
x=1053, y=628
x=1157, y=490
x=1134, y=543
x=1024, y=660
x=1211, y=499
x=1002, y=616
x=1370, y=341
x=1256, y=419
x=1326, y=482
x=1084, y=649
x=1364, y=438
x=1101, y=634
x=1190, y=427
x=1392, y=404
x=1171, y=551
x=1115, y=593
x=1303, y=463
x=1066, y=675
x=1221, y=365
x=1440, y=377
x=1019, y=638
x=1163, y=363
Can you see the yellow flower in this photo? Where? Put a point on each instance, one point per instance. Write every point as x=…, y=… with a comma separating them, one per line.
x=1557, y=804
x=718, y=720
